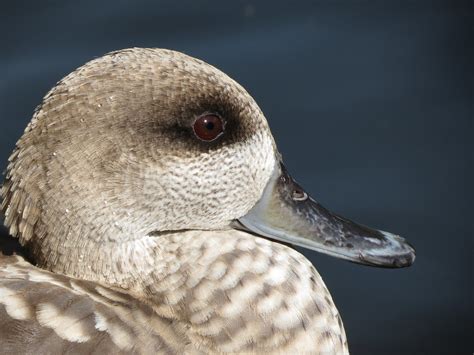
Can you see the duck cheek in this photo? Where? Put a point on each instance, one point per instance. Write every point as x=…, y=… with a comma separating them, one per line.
x=237, y=175
x=208, y=191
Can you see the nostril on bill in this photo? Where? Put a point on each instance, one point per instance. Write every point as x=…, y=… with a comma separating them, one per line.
x=299, y=195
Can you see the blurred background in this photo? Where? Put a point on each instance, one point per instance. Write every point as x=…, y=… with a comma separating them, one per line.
x=371, y=106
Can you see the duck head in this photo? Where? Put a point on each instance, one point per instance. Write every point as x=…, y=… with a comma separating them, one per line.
x=147, y=141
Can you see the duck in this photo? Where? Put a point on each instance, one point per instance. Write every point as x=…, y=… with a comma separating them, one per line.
x=157, y=216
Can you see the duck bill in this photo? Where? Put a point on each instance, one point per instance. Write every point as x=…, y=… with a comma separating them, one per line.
x=288, y=214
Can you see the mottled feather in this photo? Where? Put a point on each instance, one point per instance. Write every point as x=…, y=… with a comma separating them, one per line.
x=127, y=218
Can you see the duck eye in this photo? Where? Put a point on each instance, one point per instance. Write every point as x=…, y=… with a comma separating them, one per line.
x=208, y=127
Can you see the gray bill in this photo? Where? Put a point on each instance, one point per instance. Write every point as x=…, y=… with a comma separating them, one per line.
x=286, y=213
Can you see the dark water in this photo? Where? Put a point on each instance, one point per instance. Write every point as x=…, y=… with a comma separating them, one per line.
x=371, y=106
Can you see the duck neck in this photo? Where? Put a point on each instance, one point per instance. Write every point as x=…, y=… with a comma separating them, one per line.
x=150, y=267
x=117, y=261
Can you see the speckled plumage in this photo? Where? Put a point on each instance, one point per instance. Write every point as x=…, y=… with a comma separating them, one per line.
x=111, y=193
x=228, y=292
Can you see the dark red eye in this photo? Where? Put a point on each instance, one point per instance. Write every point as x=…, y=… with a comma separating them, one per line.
x=208, y=127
